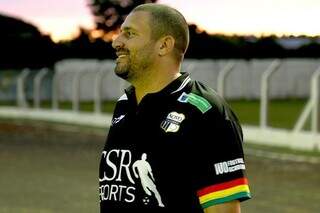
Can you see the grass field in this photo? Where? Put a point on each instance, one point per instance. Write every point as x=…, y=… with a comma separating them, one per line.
x=48, y=169
x=282, y=113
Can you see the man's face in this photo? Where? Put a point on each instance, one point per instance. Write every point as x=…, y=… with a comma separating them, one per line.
x=134, y=46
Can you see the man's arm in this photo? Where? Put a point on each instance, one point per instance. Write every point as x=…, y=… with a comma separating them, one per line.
x=150, y=172
x=134, y=166
x=228, y=207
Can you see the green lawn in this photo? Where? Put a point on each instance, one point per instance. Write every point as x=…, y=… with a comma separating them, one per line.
x=282, y=113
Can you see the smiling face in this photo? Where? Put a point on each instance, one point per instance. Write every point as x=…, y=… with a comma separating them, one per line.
x=134, y=47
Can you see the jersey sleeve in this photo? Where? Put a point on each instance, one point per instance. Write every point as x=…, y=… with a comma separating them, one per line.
x=220, y=168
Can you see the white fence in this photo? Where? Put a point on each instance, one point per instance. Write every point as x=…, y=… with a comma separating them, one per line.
x=243, y=80
x=255, y=79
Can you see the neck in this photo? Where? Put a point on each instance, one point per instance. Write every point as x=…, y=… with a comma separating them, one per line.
x=154, y=81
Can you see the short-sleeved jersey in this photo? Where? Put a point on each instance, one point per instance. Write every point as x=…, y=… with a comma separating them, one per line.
x=180, y=148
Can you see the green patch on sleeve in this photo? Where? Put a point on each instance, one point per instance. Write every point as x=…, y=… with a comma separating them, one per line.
x=201, y=103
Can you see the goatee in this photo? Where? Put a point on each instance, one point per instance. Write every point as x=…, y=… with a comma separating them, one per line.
x=124, y=75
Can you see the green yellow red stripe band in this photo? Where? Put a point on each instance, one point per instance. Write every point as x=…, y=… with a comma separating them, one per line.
x=221, y=186
x=224, y=192
x=240, y=195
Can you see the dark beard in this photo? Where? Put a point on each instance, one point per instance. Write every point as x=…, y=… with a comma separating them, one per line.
x=123, y=75
x=122, y=71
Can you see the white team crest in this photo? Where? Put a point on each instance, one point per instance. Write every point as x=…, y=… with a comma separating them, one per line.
x=172, y=122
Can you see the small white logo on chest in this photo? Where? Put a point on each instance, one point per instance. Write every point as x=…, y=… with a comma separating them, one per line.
x=172, y=122
x=116, y=120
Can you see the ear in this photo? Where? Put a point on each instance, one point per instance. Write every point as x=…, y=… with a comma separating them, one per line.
x=166, y=45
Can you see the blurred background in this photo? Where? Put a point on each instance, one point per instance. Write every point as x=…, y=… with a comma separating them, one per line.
x=58, y=91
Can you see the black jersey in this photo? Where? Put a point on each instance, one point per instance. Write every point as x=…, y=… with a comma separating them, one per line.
x=180, y=148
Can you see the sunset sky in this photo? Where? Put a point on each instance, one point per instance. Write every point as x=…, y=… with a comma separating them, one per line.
x=62, y=18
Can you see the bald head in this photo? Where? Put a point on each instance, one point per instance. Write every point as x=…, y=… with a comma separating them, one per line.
x=166, y=21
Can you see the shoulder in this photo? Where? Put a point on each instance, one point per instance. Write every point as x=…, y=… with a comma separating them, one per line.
x=220, y=116
x=121, y=104
x=206, y=100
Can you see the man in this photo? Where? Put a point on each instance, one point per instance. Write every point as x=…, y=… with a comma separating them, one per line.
x=191, y=137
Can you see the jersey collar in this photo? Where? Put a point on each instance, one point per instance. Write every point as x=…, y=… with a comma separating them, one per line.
x=174, y=87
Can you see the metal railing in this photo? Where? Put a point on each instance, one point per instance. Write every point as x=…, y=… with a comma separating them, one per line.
x=222, y=76
x=21, y=94
x=37, y=82
x=312, y=106
x=264, y=91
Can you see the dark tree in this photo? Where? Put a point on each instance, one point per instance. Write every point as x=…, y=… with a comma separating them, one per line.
x=83, y=47
x=311, y=50
x=23, y=45
x=109, y=14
